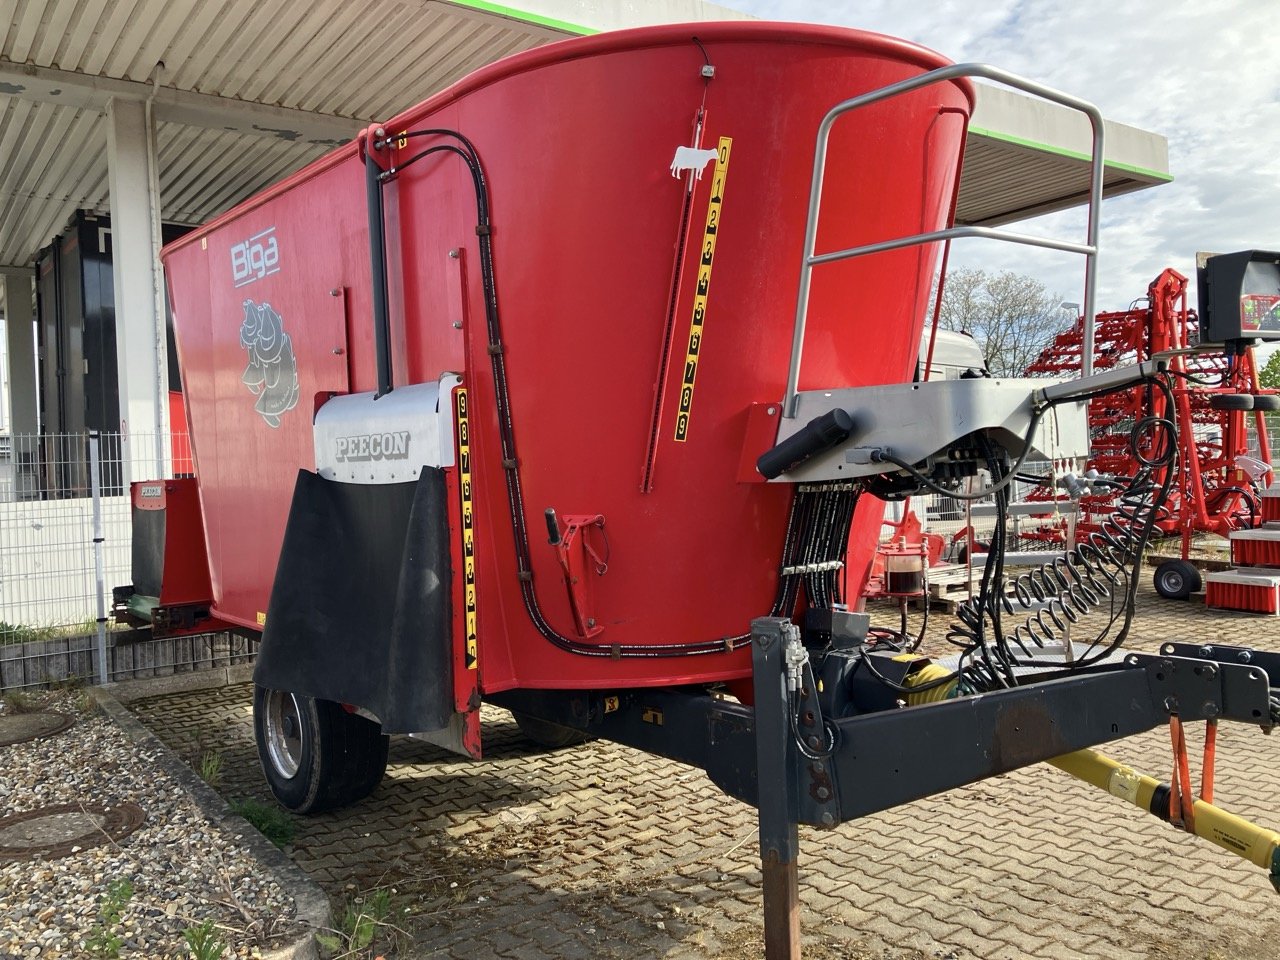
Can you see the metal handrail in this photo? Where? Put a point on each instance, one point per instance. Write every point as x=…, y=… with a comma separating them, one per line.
x=986, y=72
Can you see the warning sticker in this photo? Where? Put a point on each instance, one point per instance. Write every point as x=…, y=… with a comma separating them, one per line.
x=468, y=527
x=705, y=262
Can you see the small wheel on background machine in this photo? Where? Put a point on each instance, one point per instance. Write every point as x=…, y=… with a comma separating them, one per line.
x=1266, y=401
x=1231, y=401
x=1177, y=579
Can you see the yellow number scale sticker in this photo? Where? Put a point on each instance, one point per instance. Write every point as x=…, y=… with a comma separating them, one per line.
x=468, y=526
x=705, y=262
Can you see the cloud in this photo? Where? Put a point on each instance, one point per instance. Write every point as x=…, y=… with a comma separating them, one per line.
x=1206, y=76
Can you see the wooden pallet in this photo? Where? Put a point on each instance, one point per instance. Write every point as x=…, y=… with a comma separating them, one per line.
x=948, y=586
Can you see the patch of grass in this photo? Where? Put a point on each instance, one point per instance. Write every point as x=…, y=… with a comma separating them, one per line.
x=71, y=684
x=203, y=941
x=103, y=940
x=269, y=820
x=362, y=923
x=211, y=768
x=20, y=701
x=32, y=633
x=23, y=633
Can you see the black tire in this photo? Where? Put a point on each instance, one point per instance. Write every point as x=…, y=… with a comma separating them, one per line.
x=1177, y=579
x=316, y=755
x=1231, y=401
x=1266, y=401
x=552, y=736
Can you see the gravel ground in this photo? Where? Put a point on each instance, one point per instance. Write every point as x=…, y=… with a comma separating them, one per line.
x=183, y=869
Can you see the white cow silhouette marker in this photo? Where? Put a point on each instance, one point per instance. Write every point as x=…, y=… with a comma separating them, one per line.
x=691, y=158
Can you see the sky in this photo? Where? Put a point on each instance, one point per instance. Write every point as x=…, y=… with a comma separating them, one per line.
x=1205, y=75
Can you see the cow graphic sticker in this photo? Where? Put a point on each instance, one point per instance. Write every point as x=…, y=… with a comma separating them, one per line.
x=272, y=373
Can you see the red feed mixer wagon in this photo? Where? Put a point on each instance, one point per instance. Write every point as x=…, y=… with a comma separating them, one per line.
x=578, y=388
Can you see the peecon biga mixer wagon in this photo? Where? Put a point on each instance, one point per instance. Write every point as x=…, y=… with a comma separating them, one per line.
x=579, y=389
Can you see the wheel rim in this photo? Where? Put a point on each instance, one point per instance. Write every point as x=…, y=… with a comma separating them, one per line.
x=284, y=733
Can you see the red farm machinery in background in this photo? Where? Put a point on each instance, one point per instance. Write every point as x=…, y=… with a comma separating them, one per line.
x=1224, y=457
x=520, y=398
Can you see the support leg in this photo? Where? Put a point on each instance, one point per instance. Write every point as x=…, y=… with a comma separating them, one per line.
x=779, y=841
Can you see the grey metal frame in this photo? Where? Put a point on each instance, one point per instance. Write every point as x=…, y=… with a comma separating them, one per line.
x=986, y=72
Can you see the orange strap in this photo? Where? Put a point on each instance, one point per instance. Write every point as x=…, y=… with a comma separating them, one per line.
x=1181, y=811
x=1210, y=748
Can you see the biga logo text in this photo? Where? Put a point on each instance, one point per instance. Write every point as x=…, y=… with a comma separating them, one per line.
x=255, y=258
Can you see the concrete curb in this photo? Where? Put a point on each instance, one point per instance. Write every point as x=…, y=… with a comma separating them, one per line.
x=127, y=691
x=309, y=900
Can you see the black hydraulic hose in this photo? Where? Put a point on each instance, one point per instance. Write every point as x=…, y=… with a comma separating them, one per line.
x=785, y=597
x=373, y=179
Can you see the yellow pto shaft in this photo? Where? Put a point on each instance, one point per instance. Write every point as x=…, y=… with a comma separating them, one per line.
x=1256, y=844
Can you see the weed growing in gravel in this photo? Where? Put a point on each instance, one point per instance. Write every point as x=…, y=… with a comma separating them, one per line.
x=103, y=941
x=211, y=769
x=68, y=684
x=19, y=701
x=203, y=942
x=363, y=921
x=272, y=822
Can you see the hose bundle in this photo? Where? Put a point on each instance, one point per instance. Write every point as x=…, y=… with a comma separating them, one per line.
x=1098, y=576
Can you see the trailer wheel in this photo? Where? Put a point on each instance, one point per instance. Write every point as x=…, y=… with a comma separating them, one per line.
x=1231, y=401
x=547, y=734
x=316, y=755
x=1177, y=579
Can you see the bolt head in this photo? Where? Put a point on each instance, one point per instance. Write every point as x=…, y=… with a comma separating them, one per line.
x=828, y=820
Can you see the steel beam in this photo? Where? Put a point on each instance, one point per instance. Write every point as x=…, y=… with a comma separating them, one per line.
x=63, y=87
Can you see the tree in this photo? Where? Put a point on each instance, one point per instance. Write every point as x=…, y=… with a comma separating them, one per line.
x=1269, y=375
x=1011, y=315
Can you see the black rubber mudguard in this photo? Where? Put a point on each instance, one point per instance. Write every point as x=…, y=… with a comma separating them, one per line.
x=360, y=609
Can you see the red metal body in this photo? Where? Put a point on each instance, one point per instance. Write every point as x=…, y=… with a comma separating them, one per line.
x=186, y=576
x=183, y=466
x=183, y=592
x=1212, y=493
x=1234, y=592
x=604, y=306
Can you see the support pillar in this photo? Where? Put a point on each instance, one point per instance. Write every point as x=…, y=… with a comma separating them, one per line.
x=23, y=402
x=19, y=315
x=141, y=347
x=775, y=763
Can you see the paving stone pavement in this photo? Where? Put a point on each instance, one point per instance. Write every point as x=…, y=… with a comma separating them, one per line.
x=602, y=851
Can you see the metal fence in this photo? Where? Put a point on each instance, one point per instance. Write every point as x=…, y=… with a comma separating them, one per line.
x=65, y=543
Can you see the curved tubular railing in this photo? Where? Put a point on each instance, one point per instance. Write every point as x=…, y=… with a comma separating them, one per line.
x=983, y=71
